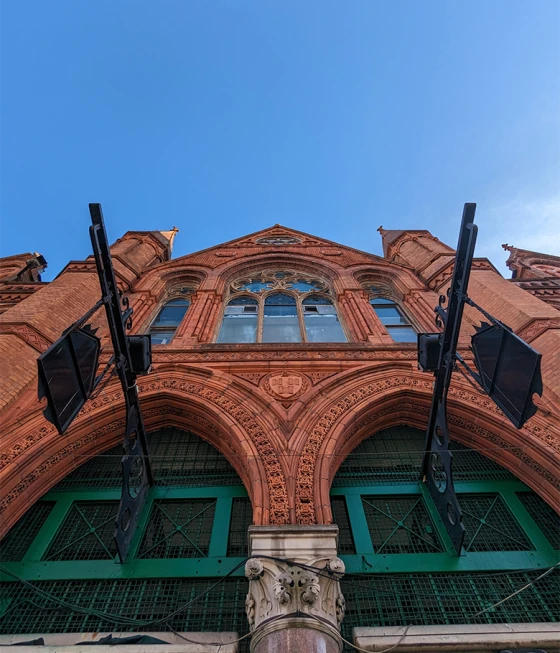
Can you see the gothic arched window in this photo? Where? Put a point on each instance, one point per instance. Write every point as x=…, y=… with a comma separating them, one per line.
x=192, y=531
x=168, y=319
x=393, y=319
x=280, y=306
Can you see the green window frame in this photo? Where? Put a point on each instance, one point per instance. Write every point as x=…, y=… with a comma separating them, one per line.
x=201, y=530
x=377, y=491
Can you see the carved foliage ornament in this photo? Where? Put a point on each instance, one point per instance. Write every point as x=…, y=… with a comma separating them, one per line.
x=280, y=588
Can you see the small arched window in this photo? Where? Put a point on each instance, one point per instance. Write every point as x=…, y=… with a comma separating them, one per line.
x=280, y=306
x=168, y=319
x=393, y=319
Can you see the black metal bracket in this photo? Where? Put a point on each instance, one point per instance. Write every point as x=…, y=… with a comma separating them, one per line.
x=437, y=466
x=136, y=465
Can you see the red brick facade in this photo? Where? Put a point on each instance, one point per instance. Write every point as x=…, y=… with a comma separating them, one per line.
x=284, y=415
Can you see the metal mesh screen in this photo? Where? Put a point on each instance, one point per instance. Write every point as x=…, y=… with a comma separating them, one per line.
x=340, y=518
x=16, y=542
x=395, y=456
x=179, y=529
x=86, y=533
x=489, y=525
x=25, y=611
x=424, y=599
x=179, y=458
x=400, y=524
x=241, y=519
x=545, y=517
x=389, y=600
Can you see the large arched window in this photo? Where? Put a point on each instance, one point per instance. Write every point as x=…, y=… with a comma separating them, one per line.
x=393, y=319
x=192, y=531
x=168, y=320
x=280, y=306
x=391, y=535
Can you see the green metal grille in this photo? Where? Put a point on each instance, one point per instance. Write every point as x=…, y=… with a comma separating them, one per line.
x=395, y=456
x=489, y=525
x=179, y=458
x=16, y=542
x=346, y=544
x=86, y=533
x=545, y=517
x=179, y=529
x=241, y=519
x=400, y=524
x=425, y=599
x=222, y=609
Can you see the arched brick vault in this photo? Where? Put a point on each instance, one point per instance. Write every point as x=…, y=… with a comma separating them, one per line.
x=286, y=458
x=359, y=403
x=215, y=406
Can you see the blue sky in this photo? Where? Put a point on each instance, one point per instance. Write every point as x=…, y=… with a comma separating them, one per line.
x=225, y=117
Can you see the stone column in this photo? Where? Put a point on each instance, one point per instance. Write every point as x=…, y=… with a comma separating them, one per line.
x=292, y=608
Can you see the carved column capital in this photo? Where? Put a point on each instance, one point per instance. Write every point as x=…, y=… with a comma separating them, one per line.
x=282, y=592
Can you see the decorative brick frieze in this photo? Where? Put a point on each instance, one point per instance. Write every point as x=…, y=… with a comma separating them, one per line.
x=537, y=327
x=28, y=334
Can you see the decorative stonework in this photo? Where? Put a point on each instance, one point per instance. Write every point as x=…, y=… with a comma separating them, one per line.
x=28, y=334
x=286, y=385
x=537, y=327
x=253, y=378
x=280, y=587
x=278, y=240
x=302, y=352
x=305, y=483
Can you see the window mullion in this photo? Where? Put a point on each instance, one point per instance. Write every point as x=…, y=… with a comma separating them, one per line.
x=526, y=522
x=301, y=319
x=260, y=319
x=220, y=528
x=358, y=524
x=49, y=529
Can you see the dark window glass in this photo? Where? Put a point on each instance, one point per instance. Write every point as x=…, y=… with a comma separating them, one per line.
x=489, y=525
x=281, y=322
x=241, y=519
x=341, y=519
x=179, y=529
x=400, y=524
x=86, y=533
x=14, y=546
x=545, y=517
x=168, y=319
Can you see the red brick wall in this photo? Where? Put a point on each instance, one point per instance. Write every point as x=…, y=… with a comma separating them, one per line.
x=286, y=448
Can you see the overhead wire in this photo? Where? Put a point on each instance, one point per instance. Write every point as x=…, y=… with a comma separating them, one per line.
x=122, y=620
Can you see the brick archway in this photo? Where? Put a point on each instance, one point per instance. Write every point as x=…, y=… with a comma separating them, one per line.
x=221, y=412
x=373, y=400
